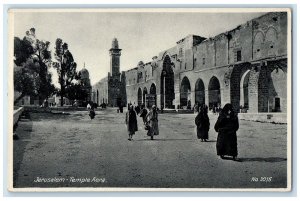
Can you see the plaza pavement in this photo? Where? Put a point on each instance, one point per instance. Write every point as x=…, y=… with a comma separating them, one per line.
x=76, y=151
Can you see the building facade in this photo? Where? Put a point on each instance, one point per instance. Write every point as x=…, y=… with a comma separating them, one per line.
x=111, y=90
x=246, y=66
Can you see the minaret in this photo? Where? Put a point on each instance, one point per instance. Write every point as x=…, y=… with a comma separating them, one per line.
x=115, y=54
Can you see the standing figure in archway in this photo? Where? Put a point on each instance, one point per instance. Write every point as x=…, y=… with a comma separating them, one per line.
x=131, y=122
x=153, y=122
x=202, y=123
x=226, y=126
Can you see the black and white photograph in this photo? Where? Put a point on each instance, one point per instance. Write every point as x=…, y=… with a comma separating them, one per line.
x=151, y=99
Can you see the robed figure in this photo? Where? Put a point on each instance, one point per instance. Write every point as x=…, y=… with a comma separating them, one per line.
x=131, y=122
x=202, y=123
x=226, y=126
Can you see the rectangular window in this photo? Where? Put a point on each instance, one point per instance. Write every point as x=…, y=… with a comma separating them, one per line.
x=239, y=55
x=180, y=52
x=203, y=61
x=194, y=64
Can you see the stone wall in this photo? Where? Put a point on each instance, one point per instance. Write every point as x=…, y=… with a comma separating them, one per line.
x=257, y=48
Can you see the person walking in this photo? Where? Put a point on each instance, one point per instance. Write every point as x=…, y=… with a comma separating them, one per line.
x=131, y=122
x=153, y=122
x=226, y=126
x=202, y=123
x=91, y=110
x=144, y=113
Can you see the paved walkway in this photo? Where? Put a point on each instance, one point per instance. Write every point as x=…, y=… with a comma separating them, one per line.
x=75, y=151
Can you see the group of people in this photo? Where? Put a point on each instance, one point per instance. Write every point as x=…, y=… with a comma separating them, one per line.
x=150, y=120
x=226, y=126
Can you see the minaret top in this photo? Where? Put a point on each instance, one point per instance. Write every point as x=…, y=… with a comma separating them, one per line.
x=115, y=44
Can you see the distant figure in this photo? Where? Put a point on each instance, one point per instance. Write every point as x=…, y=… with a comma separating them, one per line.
x=131, y=122
x=202, y=123
x=91, y=110
x=152, y=118
x=144, y=113
x=88, y=106
x=137, y=109
x=45, y=104
x=196, y=108
x=226, y=126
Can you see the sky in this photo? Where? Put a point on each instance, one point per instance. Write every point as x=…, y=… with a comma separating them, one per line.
x=141, y=35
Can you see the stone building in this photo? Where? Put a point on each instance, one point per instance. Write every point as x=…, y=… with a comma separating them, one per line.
x=246, y=66
x=111, y=90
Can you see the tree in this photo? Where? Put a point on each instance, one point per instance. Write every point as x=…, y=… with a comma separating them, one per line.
x=65, y=66
x=34, y=58
x=76, y=92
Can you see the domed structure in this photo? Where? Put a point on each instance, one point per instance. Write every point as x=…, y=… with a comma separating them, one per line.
x=84, y=74
x=115, y=44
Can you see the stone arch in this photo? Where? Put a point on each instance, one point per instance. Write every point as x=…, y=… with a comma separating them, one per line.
x=244, y=90
x=167, y=83
x=145, y=92
x=214, y=92
x=185, y=93
x=200, y=92
x=237, y=74
x=97, y=97
x=258, y=45
x=152, y=89
x=151, y=97
x=277, y=91
x=140, y=97
x=271, y=41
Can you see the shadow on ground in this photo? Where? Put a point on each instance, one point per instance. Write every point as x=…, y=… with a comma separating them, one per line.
x=258, y=159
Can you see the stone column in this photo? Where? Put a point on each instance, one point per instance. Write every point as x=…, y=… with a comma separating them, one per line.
x=225, y=95
x=158, y=98
x=177, y=91
x=253, y=91
x=206, y=97
x=193, y=102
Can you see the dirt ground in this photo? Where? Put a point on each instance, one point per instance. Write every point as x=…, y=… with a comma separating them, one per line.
x=71, y=150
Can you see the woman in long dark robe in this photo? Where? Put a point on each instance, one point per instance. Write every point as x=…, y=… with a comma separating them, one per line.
x=226, y=126
x=202, y=123
x=152, y=117
x=131, y=122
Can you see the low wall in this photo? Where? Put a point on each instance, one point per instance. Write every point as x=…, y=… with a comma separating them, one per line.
x=264, y=117
x=64, y=108
x=17, y=114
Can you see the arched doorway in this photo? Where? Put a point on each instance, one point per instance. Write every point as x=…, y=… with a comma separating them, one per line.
x=140, y=97
x=277, y=101
x=97, y=97
x=199, y=92
x=244, y=91
x=185, y=93
x=214, y=94
x=145, y=92
x=151, y=97
x=167, y=84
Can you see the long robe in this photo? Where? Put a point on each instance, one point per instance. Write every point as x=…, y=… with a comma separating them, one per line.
x=202, y=123
x=153, y=119
x=131, y=122
x=227, y=139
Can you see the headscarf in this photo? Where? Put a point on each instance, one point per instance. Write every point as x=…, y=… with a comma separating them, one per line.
x=226, y=108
